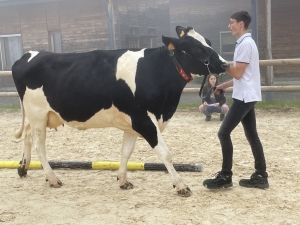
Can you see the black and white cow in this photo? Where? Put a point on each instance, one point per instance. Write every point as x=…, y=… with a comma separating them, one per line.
x=136, y=91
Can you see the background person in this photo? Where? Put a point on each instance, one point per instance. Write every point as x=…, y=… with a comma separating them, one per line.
x=213, y=102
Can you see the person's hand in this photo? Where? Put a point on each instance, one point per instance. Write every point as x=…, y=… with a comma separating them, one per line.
x=225, y=66
x=217, y=90
x=216, y=104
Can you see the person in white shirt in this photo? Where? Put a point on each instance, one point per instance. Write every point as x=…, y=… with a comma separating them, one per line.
x=246, y=92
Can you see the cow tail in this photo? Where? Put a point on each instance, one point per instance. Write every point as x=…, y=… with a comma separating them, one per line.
x=19, y=132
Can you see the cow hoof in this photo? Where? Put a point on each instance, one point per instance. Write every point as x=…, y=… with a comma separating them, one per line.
x=185, y=192
x=22, y=172
x=127, y=186
x=54, y=183
x=57, y=185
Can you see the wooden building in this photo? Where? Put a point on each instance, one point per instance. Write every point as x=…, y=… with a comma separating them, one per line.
x=285, y=37
x=79, y=26
x=85, y=25
x=211, y=17
x=141, y=23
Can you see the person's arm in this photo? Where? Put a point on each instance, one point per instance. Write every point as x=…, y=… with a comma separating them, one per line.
x=225, y=85
x=242, y=59
x=238, y=70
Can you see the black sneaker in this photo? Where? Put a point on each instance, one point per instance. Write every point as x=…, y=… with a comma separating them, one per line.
x=256, y=180
x=221, y=180
x=207, y=118
x=222, y=116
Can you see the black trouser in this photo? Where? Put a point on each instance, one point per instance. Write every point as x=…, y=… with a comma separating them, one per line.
x=241, y=112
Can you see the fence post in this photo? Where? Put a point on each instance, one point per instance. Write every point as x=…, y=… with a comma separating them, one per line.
x=270, y=75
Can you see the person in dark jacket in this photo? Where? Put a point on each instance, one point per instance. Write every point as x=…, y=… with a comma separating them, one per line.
x=213, y=102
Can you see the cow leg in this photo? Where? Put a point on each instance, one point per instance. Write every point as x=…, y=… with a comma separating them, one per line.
x=25, y=162
x=127, y=148
x=39, y=137
x=164, y=154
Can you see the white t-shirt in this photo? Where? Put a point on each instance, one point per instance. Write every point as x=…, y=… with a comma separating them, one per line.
x=247, y=88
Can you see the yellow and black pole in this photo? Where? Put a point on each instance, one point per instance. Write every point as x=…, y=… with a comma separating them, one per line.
x=104, y=165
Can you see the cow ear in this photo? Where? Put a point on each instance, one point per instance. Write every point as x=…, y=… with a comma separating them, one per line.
x=169, y=42
x=180, y=31
x=208, y=41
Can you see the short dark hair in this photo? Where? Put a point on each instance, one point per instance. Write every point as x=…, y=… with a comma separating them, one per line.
x=242, y=16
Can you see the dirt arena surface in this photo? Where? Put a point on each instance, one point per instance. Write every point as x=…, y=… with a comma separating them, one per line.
x=93, y=196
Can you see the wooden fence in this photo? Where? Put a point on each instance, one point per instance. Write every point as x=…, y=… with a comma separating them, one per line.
x=273, y=62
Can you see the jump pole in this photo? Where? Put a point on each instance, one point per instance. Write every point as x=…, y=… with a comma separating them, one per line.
x=104, y=165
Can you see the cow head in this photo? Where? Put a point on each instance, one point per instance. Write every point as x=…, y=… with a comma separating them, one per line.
x=194, y=52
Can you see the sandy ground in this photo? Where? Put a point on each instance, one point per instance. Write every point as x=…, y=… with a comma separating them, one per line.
x=93, y=196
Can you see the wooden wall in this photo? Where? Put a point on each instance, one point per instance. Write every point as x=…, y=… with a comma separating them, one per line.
x=210, y=17
x=83, y=24
x=207, y=17
x=143, y=14
x=33, y=25
x=285, y=31
x=9, y=20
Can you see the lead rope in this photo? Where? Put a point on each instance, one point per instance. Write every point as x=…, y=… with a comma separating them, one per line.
x=203, y=82
x=204, y=79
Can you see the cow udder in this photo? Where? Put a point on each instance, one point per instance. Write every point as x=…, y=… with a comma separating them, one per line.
x=54, y=120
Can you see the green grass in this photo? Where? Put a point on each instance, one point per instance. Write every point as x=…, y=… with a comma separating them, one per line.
x=10, y=108
x=274, y=105
x=280, y=105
